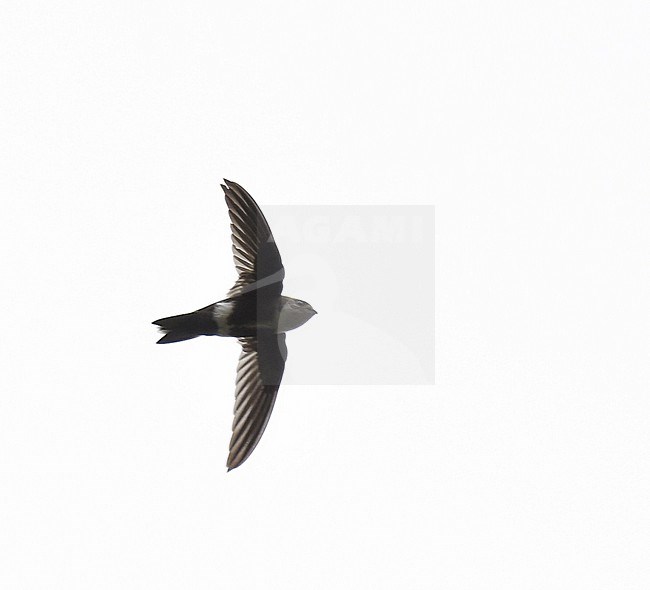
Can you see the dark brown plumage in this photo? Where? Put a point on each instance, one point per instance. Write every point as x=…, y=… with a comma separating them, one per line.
x=256, y=313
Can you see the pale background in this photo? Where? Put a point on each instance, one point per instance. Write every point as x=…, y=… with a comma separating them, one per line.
x=526, y=124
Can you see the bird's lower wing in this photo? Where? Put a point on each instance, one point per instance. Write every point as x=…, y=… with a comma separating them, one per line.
x=259, y=373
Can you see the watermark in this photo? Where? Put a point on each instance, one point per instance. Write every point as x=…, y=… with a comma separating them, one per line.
x=369, y=272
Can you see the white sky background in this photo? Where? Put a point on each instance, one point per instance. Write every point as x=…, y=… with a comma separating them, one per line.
x=525, y=124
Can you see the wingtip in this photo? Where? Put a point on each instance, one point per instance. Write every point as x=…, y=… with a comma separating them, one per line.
x=233, y=186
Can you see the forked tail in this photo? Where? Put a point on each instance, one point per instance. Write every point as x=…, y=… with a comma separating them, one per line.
x=184, y=327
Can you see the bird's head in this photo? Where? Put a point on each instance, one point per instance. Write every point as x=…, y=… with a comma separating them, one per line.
x=294, y=313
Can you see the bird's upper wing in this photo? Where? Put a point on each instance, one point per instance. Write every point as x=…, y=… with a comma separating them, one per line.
x=256, y=256
x=259, y=372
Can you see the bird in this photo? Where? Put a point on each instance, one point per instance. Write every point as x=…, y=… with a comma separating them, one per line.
x=256, y=313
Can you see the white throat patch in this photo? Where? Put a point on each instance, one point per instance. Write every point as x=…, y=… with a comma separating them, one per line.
x=292, y=317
